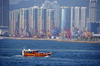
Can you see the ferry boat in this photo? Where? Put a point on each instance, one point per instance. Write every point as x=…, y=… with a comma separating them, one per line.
x=34, y=53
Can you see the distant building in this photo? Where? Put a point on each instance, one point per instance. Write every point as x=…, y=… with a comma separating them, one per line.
x=4, y=16
x=77, y=17
x=42, y=20
x=34, y=20
x=23, y=21
x=65, y=18
x=92, y=10
x=46, y=4
x=57, y=15
x=83, y=17
x=31, y=20
x=98, y=29
x=94, y=23
x=50, y=21
x=72, y=18
x=14, y=22
x=98, y=16
x=98, y=11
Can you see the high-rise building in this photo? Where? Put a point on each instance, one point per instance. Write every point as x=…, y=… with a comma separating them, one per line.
x=14, y=22
x=92, y=10
x=11, y=15
x=98, y=11
x=46, y=4
x=4, y=16
x=23, y=21
x=31, y=20
x=72, y=18
x=42, y=20
x=93, y=16
x=50, y=21
x=65, y=17
x=98, y=16
x=77, y=17
x=83, y=17
x=56, y=8
x=34, y=20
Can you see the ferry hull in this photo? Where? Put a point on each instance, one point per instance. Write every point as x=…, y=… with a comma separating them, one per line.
x=37, y=54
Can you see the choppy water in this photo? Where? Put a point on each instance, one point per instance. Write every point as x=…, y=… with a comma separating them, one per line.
x=64, y=54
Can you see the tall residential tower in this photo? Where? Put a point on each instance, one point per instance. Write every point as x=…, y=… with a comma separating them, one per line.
x=4, y=16
x=56, y=8
x=93, y=21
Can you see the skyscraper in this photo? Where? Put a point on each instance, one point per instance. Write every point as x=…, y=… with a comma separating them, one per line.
x=50, y=21
x=92, y=10
x=4, y=16
x=33, y=19
x=14, y=22
x=23, y=21
x=83, y=17
x=42, y=20
x=98, y=16
x=11, y=28
x=77, y=17
x=93, y=22
x=65, y=17
x=98, y=11
x=72, y=18
x=56, y=8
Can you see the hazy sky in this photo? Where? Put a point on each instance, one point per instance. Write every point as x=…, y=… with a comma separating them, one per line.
x=15, y=1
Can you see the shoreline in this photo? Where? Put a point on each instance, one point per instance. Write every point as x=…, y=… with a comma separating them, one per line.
x=59, y=40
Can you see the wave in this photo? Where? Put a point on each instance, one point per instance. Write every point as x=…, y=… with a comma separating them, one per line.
x=17, y=56
x=56, y=50
x=63, y=59
x=49, y=58
x=69, y=50
x=9, y=49
x=11, y=56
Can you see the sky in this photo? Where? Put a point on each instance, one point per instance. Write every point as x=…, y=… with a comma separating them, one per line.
x=15, y=1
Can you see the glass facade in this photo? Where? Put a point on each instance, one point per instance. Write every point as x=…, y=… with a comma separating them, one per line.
x=65, y=18
x=4, y=15
x=94, y=14
x=42, y=15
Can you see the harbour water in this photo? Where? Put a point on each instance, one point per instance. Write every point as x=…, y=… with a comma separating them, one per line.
x=64, y=53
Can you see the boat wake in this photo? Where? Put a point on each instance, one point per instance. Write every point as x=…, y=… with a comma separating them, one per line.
x=47, y=56
x=17, y=56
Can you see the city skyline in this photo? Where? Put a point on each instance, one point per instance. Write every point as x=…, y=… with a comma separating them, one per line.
x=56, y=17
x=52, y=14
